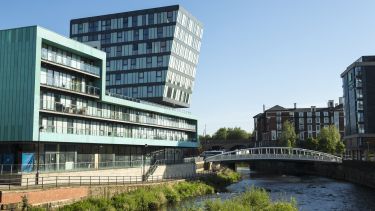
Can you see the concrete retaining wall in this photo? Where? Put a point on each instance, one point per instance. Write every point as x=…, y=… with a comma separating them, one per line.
x=359, y=172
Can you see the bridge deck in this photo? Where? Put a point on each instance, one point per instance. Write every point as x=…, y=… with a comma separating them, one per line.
x=275, y=153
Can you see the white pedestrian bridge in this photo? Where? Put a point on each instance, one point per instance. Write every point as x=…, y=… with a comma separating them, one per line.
x=275, y=153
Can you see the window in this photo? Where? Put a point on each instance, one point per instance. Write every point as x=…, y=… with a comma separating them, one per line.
x=170, y=16
x=135, y=49
x=150, y=89
x=302, y=136
x=134, y=21
x=160, y=61
x=359, y=93
x=301, y=121
x=145, y=34
x=309, y=120
x=118, y=77
x=119, y=51
x=93, y=37
x=125, y=23
x=317, y=113
x=300, y=114
x=361, y=128
x=136, y=35
x=93, y=26
x=150, y=18
x=301, y=127
x=143, y=20
x=149, y=47
x=149, y=62
x=132, y=63
x=317, y=119
x=309, y=114
x=163, y=48
x=325, y=113
x=318, y=129
x=159, y=32
x=278, y=119
x=360, y=117
x=124, y=63
x=326, y=120
x=119, y=37
x=80, y=28
x=309, y=135
x=309, y=127
x=359, y=105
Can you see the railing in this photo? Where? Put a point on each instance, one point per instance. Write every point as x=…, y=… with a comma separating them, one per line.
x=68, y=166
x=13, y=183
x=100, y=113
x=146, y=102
x=71, y=63
x=275, y=153
x=71, y=86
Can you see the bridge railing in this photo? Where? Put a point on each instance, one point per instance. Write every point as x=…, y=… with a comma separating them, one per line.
x=275, y=153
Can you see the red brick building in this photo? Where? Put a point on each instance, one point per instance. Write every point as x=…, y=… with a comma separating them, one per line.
x=307, y=122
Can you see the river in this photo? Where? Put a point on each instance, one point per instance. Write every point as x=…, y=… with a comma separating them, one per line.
x=311, y=192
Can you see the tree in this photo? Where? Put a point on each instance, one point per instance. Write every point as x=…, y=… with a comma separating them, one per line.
x=221, y=134
x=340, y=147
x=237, y=134
x=328, y=138
x=205, y=138
x=312, y=143
x=288, y=135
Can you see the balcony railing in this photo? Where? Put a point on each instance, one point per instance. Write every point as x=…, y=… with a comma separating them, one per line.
x=69, y=62
x=71, y=86
x=104, y=114
x=114, y=133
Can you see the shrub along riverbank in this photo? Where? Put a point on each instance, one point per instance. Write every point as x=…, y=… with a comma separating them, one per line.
x=154, y=197
x=253, y=199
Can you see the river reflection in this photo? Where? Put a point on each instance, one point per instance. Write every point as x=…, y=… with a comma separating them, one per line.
x=311, y=193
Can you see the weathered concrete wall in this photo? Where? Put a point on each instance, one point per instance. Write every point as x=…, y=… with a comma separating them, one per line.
x=353, y=171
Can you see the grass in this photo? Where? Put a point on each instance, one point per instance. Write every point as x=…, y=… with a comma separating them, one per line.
x=222, y=179
x=252, y=199
x=147, y=198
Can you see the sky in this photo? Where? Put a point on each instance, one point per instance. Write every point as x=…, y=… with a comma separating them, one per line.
x=253, y=52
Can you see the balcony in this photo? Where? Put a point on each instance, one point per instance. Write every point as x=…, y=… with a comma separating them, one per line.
x=70, y=86
x=53, y=58
x=100, y=114
x=120, y=134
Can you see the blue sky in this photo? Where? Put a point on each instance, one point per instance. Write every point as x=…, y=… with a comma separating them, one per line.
x=253, y=52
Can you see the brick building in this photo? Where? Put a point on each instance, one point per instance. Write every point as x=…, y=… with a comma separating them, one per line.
x=307, y=122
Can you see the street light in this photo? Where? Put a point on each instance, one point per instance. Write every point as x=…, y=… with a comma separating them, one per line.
x=41, y=127
x=144, y=162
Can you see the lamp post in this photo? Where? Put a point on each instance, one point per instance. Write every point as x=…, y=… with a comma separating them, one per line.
x=144, y=163
x=38, y=156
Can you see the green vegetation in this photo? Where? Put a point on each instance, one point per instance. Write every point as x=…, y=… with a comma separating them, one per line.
x=328, y=141
x=222, y=179
x=253, y=199
x=147, y=198
x=224, y=133
x=288, y=135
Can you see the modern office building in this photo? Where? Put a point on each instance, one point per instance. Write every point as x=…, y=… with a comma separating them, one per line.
x=359, y=94
x=152, y=54
x=307, y=122
x=53, y=90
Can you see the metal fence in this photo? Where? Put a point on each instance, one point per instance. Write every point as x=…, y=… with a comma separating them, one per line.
x=19, y=183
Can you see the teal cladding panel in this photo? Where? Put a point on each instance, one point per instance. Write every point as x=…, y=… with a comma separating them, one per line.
x=17, y=83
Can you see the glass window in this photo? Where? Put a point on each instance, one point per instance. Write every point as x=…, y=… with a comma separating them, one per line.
x=125, y=22
x=359, y=105
x=134, y=21
x=360, y=116
x=145, y=34
x=150, y=18
x=170, y=16
x=159, y=32
x=361, y=128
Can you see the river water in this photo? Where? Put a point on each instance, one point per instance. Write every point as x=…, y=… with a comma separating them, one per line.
x=311, y=193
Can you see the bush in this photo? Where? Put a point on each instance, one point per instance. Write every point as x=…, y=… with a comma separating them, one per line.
x=252, y=199
x=222, y=179
x=147, y=198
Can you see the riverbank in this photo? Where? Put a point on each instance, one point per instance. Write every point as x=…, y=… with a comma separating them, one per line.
x=152, y=196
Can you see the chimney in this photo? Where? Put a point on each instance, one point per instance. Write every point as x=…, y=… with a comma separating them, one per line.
x=295, y=105
x=331, y=103
x=264, y=108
